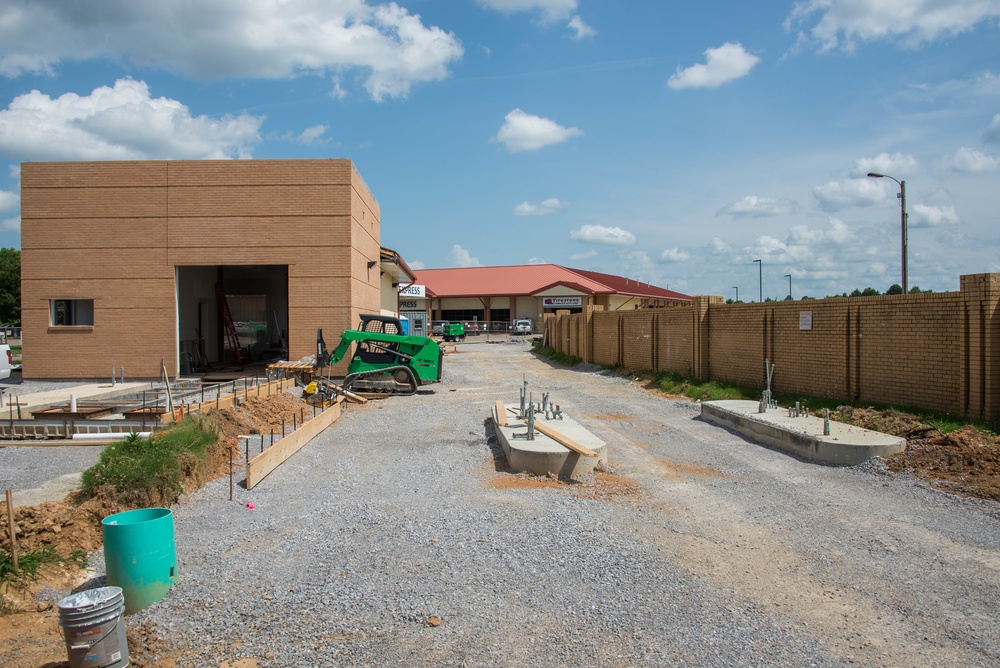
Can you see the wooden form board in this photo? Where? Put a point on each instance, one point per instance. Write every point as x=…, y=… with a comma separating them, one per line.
x=274, y=456
x=564, y=440
x=501, y=413
x=227, y=400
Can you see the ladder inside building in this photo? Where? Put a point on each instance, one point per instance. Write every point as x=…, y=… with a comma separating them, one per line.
x=232, y=338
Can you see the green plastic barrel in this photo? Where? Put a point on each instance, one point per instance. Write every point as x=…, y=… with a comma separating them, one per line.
x=139, y=555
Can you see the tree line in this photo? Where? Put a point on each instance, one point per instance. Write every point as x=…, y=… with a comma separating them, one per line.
x=894, y=289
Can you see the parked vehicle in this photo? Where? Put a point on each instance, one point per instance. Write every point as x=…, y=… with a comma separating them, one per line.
x=7, y=362
x=522, y=326
x=437, y=327
x=454, y=331
x=472, y=328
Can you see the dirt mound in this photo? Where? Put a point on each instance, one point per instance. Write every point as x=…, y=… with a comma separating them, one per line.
x=965, y=461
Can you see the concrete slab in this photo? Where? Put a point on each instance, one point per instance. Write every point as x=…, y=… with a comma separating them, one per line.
x=544, y=455
x=89, y=391
x=846, y=445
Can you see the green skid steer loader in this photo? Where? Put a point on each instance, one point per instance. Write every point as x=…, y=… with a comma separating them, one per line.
x=384, y=360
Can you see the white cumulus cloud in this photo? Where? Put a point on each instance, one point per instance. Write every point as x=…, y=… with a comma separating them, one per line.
x=971, y=161
x=312, y=136
x=527, y=132
x=925, y=215
x=248, y=38
x=723, y=64
x=548, y=10
x=674, y=255
x=580, y=29
x=845, y=23
x=543, y=208
x=10, y=225
x=753, y=206
x=583, y=256
x=9, y=201
x=118, y=123
x=883, y=163
x=838, y=195
x=599, y=234
x=463, y=258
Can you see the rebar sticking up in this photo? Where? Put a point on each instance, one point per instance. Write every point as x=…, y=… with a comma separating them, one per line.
x=826, y=422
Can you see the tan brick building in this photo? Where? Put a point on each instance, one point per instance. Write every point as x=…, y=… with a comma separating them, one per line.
x=120, y=261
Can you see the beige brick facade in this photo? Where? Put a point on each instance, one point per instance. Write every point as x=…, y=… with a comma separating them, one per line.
x=119, y=233
x=933, y=351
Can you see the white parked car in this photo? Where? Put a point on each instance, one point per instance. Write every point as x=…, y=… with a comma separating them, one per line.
x=521, y=326
x=7, y=362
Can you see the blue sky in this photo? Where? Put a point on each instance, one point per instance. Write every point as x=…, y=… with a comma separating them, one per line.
x=669, y=142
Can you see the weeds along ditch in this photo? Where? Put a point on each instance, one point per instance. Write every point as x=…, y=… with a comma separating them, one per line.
x=136, y=472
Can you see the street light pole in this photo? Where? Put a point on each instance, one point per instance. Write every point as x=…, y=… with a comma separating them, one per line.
x=760, y=280
x=903, y=216
x=737, y=288
x=789, y=277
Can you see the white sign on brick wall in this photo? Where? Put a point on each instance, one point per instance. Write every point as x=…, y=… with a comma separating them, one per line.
x=805, y=319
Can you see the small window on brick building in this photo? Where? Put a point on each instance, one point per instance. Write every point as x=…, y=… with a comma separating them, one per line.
x=70, y=312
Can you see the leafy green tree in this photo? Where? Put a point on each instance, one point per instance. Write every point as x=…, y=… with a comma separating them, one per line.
x=870, y=292
x=10, y=285
x=896, y=289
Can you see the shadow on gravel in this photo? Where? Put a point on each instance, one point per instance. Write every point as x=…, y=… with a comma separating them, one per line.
x=500, y=463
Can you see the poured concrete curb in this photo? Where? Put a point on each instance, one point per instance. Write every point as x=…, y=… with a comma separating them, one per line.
x=846, y=445
x=544, y=455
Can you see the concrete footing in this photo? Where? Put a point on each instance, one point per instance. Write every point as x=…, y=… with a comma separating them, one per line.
x=846, y=445
x=544, y=455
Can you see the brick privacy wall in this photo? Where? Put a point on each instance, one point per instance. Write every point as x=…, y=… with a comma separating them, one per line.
x=115, y=231
x=932, y=351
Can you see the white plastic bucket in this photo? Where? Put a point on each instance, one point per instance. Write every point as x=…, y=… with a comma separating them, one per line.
x=93, y=622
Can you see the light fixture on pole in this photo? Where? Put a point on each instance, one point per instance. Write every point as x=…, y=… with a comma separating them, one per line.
x=760, y=280
x=902, y=217
x=789, y=277
x=737, y=288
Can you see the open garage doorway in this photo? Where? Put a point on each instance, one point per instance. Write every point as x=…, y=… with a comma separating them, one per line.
x=257, y=301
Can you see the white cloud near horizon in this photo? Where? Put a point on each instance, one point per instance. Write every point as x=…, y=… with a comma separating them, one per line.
x=543, y=208
x=312, y=136
x=246, y=39
x=883, y=163
x=924, y=215
x=462, y=258
x=992, y=134
x=600, y=234
x=119, y=123
x=522, y=132
x=971, y=161
x=674, y=255
x=723, y=64
x=11, y=225
x=846, y=23
x=838, y=195
x=9, y=200
x=753, y=206
x=583, y=256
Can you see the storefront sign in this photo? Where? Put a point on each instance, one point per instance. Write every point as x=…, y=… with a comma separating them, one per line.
x=560, y=302
x=414, y=290
x=407, y=304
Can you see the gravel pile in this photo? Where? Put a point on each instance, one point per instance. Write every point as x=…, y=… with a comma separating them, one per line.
x=392, y=539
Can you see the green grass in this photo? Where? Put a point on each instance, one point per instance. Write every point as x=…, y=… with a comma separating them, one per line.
x=143, y=472
x=27, y=564
x=675, y=383
x=557, y=357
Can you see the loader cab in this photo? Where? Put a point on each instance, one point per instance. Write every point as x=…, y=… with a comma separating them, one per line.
x=378, y=352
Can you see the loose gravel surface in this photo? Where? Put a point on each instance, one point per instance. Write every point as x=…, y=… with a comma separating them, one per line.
x=393, y=539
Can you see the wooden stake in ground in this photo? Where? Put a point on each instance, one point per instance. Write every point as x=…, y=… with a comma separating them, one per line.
x=10, y=525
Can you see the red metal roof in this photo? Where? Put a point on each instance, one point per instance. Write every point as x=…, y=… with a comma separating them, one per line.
x=530, y=279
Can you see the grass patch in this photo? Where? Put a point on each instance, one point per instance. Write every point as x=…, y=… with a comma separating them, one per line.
x=675, y=383
x=555, y=356
x=143, y=472
x=27, y=564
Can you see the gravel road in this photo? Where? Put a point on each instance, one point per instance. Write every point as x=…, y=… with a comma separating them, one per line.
x=702, y=549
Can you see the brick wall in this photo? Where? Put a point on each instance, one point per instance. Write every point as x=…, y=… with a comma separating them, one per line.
x=934, y=351
x=114, y=232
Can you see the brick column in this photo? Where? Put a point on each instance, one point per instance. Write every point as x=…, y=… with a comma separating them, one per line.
x=981, y=374
x=700, y=334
